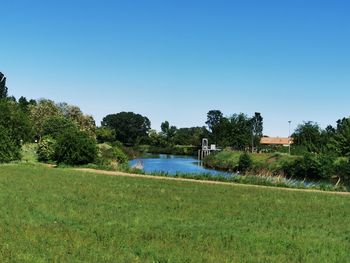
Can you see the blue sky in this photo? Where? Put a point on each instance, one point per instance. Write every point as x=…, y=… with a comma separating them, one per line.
x=176, y=60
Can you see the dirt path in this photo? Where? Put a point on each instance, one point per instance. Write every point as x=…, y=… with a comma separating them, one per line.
x=154, y=177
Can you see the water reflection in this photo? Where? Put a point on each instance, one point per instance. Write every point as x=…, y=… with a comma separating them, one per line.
x=172, y=164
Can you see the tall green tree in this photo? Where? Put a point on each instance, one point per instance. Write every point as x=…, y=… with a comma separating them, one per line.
x=15, y=128
x=16, y=121
x=214, y=121
x=9, y=149
x=41, y=112
x=57, y=125
x=241, y=131
x=74, y=113
x=309, y=136
x=168, y=131
x=130, y=128
x=341, y=138
x=257, y=129
x=190, y=136
x=3, y=88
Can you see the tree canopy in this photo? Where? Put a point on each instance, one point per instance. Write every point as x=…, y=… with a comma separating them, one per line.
x=130, y=128
x=237, y=131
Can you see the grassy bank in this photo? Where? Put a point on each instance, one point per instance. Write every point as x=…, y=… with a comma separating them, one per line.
x=310, y=166
x=265, y=162
x=63, y=215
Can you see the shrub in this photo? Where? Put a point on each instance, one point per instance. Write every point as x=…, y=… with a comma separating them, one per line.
x=245, y=162
x=108, y=154
x=343, y=168
x=46, y=149
x=75, y=148
x=9, y=149
x=311, y=166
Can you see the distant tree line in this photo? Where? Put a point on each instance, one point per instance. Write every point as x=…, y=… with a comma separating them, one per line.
x=63, y=132
x=333, y=140
x=66, y=135
x=238, y=131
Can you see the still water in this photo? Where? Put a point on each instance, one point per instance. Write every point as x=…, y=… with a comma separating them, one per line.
x=173, y=164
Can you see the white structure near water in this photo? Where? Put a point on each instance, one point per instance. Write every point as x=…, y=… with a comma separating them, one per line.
x=206, y=149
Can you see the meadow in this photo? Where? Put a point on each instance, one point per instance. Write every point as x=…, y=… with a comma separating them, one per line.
x=54, y=214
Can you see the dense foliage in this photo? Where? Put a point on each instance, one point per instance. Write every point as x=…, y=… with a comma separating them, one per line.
x=46, y=149
x=111, y=155
x=9, y=150
x=104, y=134
x=65, y=134
x=237, y=131
x=75, y=147
x=57, y=125
x=130, y=128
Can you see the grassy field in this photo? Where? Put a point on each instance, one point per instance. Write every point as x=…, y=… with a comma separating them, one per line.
x=62, y=215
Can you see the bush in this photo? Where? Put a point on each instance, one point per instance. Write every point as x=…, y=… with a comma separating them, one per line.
x=343, y=168
x=311, y=166
x=75, y=148
x=108, y=154
x=46, y=149
x=245, y=162
x=9, y=149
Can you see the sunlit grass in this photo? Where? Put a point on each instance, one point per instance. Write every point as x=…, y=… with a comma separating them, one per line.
x=62, y=215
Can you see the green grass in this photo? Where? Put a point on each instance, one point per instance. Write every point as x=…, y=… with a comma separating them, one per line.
x=62, y=215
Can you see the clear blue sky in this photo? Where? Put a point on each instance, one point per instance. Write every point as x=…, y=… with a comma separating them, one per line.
x=176, y=60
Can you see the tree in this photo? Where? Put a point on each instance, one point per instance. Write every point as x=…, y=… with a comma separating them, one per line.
x=129, y=127
x=74, y=113
x=105, y=134
x=190, y=136
x=15, y=128
x=257, y=129
x=3, y=88
x=9, y=149
x=214, y=119
x=41, y=112
x=157, y=139
x=168, y=131
x=16, y=121
x=241, y=131
x=75, y=148
x=24, y=104
x=55, y=126
x=309, y=136
x=341, y=138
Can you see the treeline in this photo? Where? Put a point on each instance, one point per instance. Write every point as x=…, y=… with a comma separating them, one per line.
x=333, y=140
x=52, y=124
x=238, y=131
x=316, y=154
x=64, y=134
x=134, y=129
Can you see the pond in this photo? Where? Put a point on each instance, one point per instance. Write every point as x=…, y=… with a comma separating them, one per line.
x=173, y=164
